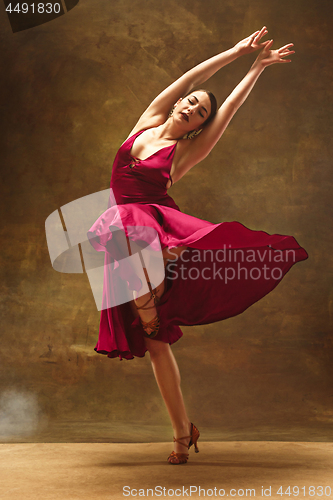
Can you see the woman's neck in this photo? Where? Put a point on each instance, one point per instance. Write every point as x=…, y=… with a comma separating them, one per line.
x=169, y=131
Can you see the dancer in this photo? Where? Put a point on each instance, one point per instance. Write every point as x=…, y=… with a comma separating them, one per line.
x=177, y=131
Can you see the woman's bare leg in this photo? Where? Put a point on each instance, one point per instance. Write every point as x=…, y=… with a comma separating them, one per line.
x=166, y=370
x=164, y=365
x=167, y=376
x=149, y=314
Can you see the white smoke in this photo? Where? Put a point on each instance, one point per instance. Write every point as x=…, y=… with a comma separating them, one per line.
x=19, y=414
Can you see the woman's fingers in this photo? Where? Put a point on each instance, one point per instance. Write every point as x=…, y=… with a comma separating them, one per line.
x=256, y=37
x=253, y=37
x=263, y=44
x=287, y=46
x=269, y=44
x=284, y=53
x=251, y=43
x=259, y=33
x=262, y=32
x=269, y=56
x=288, y=53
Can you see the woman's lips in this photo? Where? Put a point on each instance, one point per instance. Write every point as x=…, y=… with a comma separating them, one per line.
x=185, y=116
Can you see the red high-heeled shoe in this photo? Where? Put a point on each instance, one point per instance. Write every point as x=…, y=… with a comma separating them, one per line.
x=183, y=457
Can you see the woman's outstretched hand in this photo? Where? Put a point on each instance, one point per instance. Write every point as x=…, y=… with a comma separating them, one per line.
x=268, y=56
x=251, y=43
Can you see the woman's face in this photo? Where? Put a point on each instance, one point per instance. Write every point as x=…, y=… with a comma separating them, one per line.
x=193, y=110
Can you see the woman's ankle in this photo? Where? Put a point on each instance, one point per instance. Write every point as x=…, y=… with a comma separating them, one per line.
x=183, y=429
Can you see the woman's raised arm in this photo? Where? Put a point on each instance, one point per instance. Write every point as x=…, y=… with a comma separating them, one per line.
x=159, y=109
x=201, y=145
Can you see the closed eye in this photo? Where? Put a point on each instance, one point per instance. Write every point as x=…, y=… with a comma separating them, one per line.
x=200, y=113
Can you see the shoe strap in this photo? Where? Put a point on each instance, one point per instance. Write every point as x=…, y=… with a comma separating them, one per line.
x=152, y=296
x=152, y=323
x=182, y=457
x=178, y=440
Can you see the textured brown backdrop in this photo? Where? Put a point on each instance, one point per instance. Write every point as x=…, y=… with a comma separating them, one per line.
x=71, y=90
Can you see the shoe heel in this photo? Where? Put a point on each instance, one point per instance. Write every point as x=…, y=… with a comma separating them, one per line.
x=195, y=434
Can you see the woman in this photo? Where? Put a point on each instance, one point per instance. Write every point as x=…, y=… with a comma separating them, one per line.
x=156, y=154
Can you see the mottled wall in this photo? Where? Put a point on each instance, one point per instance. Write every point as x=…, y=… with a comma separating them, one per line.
x=71, y=90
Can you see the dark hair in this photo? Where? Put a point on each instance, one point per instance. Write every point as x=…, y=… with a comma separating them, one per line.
x=213, y=103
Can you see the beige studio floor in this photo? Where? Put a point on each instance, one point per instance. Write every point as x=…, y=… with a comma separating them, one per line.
x=68, y=471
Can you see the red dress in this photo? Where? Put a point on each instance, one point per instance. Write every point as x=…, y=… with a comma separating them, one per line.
x=227, y=267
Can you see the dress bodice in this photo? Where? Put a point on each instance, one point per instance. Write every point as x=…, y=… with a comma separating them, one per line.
x=142, y=181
